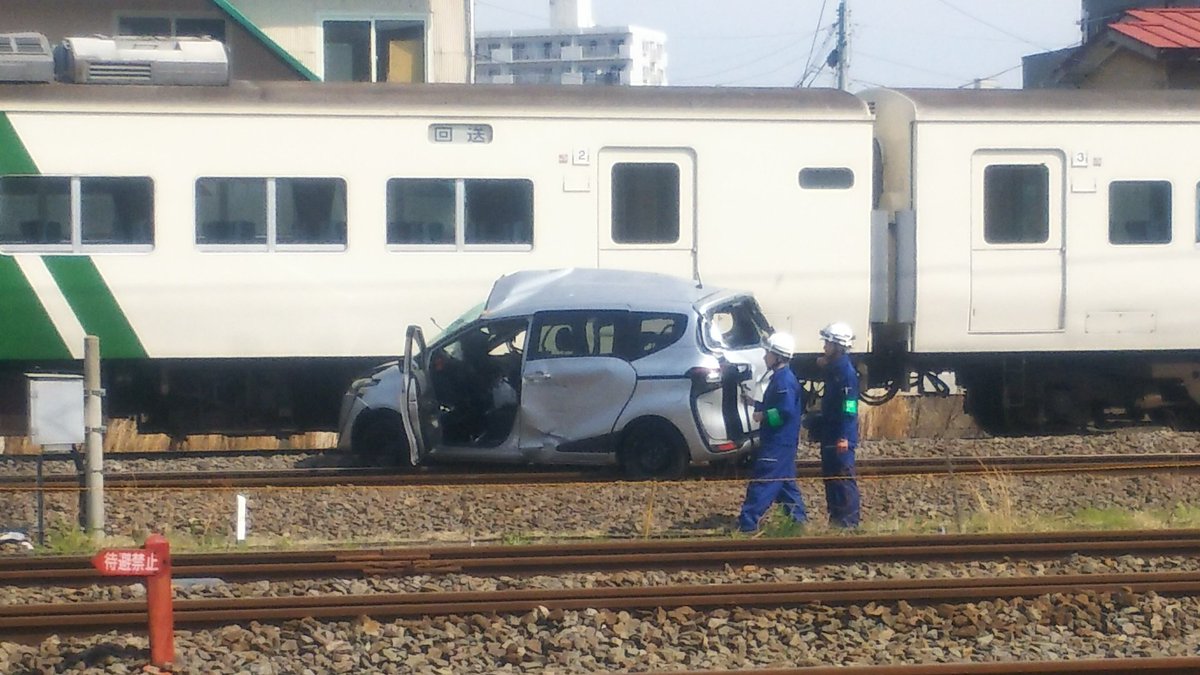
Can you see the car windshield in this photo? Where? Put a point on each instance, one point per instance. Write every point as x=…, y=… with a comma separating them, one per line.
x=739, y=324
x=466, y=318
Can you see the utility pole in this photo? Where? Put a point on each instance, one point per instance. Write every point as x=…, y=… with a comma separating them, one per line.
x=842, y=47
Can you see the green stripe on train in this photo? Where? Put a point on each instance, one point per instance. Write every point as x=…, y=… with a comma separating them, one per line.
x=94, y=304
x=26, y=331
x=14, y=158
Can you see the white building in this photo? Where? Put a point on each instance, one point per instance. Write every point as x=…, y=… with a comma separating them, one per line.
x=572, y=51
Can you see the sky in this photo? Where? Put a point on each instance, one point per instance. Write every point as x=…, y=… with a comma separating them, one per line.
x=779, y=43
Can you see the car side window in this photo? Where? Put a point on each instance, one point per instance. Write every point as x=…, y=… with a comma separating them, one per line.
x=654, y=332
x=582, y=333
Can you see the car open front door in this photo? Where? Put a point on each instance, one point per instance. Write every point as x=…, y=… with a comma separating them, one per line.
x=420, y=407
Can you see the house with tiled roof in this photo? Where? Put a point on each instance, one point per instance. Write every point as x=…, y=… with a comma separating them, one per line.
x=333, y=40
x=1142, y=48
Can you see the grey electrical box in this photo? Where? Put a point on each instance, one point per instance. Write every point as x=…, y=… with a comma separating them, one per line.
x=55, y=409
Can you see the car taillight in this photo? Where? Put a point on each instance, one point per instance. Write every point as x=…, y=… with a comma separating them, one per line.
x=725, y=447
x=702, y=375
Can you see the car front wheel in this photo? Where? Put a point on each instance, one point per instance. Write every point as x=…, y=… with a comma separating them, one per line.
x=653, y=449
x=379, y=439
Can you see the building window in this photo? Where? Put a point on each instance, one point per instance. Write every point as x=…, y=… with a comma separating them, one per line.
x=645, y=203
x=1139, y=212
x=447, y=211
x=832, y=178
x=172, y=26
x=41, y=211
x=1016, y=204
x=271, y=212
x=374, y=51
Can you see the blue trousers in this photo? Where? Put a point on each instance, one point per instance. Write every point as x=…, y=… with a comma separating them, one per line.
x=841, y=487
x=766, y=489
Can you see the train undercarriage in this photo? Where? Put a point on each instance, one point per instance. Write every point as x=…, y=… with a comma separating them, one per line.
x=1005, y=394
x=236, y=397
x=1041, y=393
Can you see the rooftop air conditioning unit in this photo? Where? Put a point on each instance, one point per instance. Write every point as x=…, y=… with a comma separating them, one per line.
x=143, y=60
x=25, y=57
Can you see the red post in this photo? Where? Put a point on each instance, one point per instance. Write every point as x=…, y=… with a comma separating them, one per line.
x=158, y=601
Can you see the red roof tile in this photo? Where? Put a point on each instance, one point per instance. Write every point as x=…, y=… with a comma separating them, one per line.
x=1162, y=28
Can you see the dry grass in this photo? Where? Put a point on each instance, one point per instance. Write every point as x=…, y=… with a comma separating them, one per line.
x=123, y=436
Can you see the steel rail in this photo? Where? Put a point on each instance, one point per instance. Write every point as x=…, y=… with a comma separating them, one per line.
x=1164, y=665
x=502, y=475
x=123, y=614
x=629, y=555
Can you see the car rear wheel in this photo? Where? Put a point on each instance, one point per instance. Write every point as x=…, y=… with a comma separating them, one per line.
x=653, y=449
x=379, y=439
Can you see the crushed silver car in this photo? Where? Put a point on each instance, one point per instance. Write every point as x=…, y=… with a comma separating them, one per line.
x=575, y=366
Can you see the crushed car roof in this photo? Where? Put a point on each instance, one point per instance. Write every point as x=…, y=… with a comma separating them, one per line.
x=524, y=293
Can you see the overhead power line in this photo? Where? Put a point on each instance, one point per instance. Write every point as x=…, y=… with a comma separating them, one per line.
x=992, y=25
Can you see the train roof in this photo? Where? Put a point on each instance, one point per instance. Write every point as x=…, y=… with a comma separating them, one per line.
x=1063, y=105
x=526, y=292
x=343, y=98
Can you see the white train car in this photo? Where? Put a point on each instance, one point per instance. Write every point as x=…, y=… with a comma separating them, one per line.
x=1046, y=247
x=244, y=251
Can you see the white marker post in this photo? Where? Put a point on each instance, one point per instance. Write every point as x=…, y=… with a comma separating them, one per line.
x=241, y=519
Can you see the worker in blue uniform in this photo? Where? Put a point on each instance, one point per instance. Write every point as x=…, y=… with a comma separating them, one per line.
x=836, y=427
x=773, y=474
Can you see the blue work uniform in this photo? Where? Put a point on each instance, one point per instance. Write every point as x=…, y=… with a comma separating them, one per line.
x=839, y=419
x=773, y=476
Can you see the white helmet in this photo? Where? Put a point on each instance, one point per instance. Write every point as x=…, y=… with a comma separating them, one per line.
x=781, y=344
x=839, y=334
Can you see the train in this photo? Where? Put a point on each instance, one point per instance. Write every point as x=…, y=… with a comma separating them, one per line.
x=244, y=251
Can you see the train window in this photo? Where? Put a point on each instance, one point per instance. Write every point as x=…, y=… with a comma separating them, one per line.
x=37, y=211
x=231, y=211
x=266, y=213
x=1016, y=204
x=310, y=211
x=421, y=211
x=116, y=211
x=498, y=211
x=645, y=203
x=448, y=211
x=832, y=178
x=1139, y=212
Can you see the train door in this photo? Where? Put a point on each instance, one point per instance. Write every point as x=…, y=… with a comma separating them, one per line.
x=1017, y=278
x=647, y=210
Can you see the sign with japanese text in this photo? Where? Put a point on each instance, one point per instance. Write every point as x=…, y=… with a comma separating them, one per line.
x=127, y=562
x=460, y=133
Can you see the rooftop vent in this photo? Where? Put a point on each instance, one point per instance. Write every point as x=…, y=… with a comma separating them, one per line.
x=143, y=60
x=25, y=57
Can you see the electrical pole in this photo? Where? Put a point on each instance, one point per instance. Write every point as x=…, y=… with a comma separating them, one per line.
x=842, y=46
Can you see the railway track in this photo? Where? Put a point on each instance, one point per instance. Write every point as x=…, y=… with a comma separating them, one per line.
x=632, y=555
x=79, y=616
x=1184, y=665
x=503, y=475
